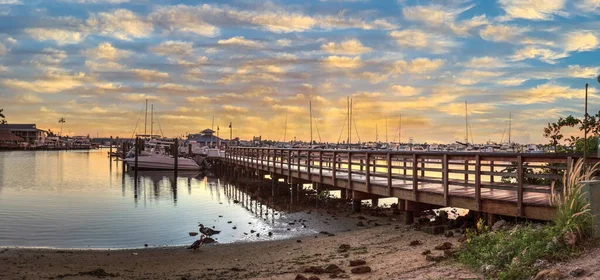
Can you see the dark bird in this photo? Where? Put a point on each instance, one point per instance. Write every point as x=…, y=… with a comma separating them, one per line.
x=196, y=245
x=208, y=231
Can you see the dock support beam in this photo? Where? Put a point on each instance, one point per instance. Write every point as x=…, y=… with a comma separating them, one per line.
x=356, y=203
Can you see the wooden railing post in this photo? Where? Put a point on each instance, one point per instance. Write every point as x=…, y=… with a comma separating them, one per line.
x=308, y=164
x=445, y=175
x=520, y=182
x=415, y=178
x=389, y=173
x=334, y=168
x=320, y=167
x=492, y=170
x=368, y=172
x=350, y=170
x=466, y=171
x=478, y=182
x=289, y=160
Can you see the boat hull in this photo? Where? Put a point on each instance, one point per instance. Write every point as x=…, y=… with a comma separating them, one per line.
x=162, y=163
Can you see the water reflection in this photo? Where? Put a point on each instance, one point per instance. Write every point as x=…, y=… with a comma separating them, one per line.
x=77, y=199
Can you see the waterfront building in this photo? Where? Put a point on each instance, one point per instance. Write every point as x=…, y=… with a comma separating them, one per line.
x=28, y=132
x=206, y=137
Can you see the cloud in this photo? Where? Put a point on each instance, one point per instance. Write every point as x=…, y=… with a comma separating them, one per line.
x=501, y=33
x=471, y=77
x=284, y=42
x=173, y=48
x=53, y=82
x=419, y=65
x=418, y=39
x=28, y=98
x=140, y=97
x=149, y=75
x=121, y=24
x=3, y=49
x=60, y=36
x=10, y=2
x=182, y=18
x=234, y=109
x=106, y=51
x=511, y=81
x=203, y=19
x=342, y=62
x=547, y=93
x=583, y=72
x=96, y=1
x=458, y=109
x=348, y=47
x=532, y=9
x=405, y=90
x=485, y=62
x=581, y=41
x=531, y=52
x=240, y=41
x=443, y=17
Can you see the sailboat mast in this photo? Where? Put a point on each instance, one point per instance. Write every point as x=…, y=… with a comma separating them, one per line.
x=466, y=123
x=213, y=124
x=310, y=111
x=285, y=129
x=348, y=124
x=146, y=117
x=386, y=131
x=152, y=121
x=351, y=118
x=400, y=131
x=376, y=134
x=509, y=125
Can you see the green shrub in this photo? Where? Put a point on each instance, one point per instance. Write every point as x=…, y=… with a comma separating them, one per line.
x=511, y=254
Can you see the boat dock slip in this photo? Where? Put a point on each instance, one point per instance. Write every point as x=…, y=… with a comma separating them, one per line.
x=492, y=183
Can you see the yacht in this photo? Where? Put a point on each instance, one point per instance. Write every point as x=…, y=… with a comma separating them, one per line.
x=155, y=156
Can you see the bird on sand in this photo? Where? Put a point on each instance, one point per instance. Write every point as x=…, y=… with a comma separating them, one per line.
x=196, y=245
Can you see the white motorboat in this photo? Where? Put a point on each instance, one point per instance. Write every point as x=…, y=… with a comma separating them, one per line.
x=162, y=162
x=155, y=157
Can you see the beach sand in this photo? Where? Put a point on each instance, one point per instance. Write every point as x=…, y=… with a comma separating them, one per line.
x=385, y=248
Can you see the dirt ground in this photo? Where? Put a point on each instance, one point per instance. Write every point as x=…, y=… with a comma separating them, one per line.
x=385, y=249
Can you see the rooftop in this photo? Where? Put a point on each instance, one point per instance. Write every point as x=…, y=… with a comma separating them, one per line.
x=19, y=127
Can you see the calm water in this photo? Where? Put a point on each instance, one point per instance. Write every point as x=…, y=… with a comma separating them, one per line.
x=80, y=199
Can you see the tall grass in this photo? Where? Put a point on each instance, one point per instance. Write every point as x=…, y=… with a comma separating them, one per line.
x=573, y=213
x=511, y=254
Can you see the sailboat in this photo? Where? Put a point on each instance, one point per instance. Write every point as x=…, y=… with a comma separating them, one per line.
x=155, y=154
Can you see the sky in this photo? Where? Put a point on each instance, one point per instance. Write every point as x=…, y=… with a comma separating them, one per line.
x=258, y=64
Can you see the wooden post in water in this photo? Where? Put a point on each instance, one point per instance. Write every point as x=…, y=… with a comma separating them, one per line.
x=176, y=155
x=137, y=152
x=110, y=148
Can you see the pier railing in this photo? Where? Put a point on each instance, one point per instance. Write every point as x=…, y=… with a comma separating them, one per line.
x=521, y=179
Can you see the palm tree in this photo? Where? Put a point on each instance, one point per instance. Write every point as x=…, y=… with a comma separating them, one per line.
x=61, y=121
x=2, y=117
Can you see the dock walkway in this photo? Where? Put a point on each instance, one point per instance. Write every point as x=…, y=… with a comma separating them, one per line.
x=498, y=183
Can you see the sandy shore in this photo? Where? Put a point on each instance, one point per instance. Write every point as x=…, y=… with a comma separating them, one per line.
x=385, y=249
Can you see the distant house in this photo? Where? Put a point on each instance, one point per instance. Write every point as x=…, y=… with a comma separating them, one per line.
x=207, y=137
x=8, y=139
x=28, y=132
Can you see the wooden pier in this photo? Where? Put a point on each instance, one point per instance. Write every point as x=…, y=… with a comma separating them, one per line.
x=437, y=179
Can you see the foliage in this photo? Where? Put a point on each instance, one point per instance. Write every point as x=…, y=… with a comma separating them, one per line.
x=552, y=131
x=2, y=117
x=590, y=125
x=573, y=213
x=511, y=254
